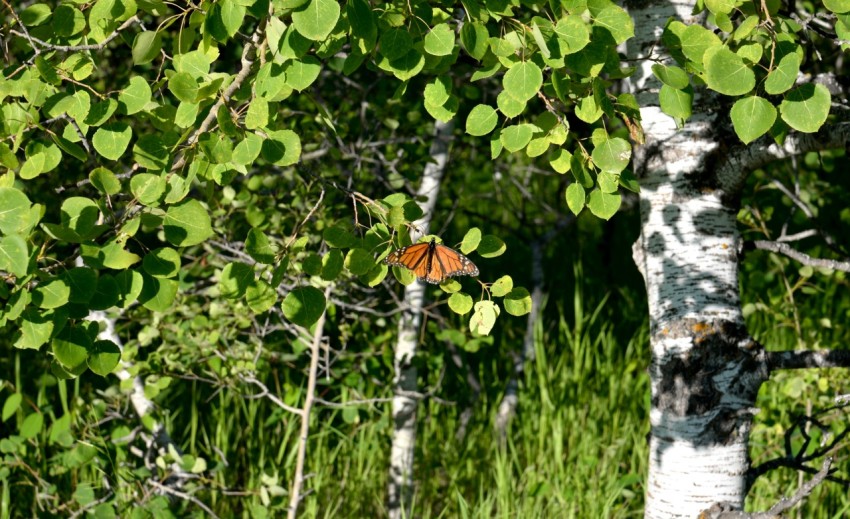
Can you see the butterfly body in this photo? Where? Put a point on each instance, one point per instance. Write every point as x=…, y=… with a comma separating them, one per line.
x=432, y=262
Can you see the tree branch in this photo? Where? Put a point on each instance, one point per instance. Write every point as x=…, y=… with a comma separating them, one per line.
x=804, y=359
x=71, y=48
x=739, y=161
x=310, y=395
x=244, y=71
x=805, y=259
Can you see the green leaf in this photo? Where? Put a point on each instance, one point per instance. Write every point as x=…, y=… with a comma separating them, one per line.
x=491, y=246
x=806, y=107
x=235, y=279
x=282, y=148
x=727, y=73
x=163, y=262
x=300, y=74
x=35, y=15
x=82, y=281
x=32, y=426
x=51, y=294
x=752, y=117
x=572, y=33
x=471, y=240
x=257, y=246
x=260, y=296
x=518, y=302
x=617, y=22
x=676, y=103
x=561, y=160
x=484, y=317
x=316, y=19
x=148, y=188
x=68, y=20
x=359, y=261
x=41, y=158
x=460, y=303
x=146, y=47
x=111, y=140
x=481, y=120
x=187, y=223
x=135, y=96
x=101, y=112
x=15, y=210
x=516, y=137
x=720, y=6
x=673, y=77
x=184, y=87
x=105, y=181
x=224, y=19
x=104, y=357
x=576, y=197
x=304, y=305
x=603, y=205
x=438, y=90
x=611, y=154
x=158, y=293
x=196, y=63
x=440, y=40
x=35, y=329
x=11, y=405
x=151, y=153
x=217, y=147
x=502, y=286
x=837, y=6
x=332, y=264
x=111, y=255
x=523, y=80
x=473, y=37
x=71, y=347
x=696, y=39
x=248, y=149
x=339, y=236
x=396, y=43
x=784, y=75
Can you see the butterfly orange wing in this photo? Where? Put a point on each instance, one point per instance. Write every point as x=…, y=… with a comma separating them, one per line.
x=448, y=263
x=432, y=262
x=413, y=257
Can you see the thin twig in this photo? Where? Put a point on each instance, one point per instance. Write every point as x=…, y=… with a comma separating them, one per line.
x=183, y=495
x=298, y=479
x=72, y=48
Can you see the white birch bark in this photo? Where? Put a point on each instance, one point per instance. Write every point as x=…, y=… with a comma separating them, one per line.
x=704, y=380
x=161, y=443
x=404, y=403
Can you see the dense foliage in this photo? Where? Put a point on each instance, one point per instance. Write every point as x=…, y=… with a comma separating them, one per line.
x=213, y=177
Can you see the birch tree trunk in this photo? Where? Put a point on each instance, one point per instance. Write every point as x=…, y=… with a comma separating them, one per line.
x=404, y=403
x=706, y=370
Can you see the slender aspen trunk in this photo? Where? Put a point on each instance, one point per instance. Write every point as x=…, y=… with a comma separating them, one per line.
x=704, y=374
x=405, y=384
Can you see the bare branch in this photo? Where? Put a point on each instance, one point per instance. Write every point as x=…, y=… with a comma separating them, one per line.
x=803, y=359
x=35, y=42
x=247, y=64
x=183, y=495
x=786, y=503
x=309, y=396
x=733, y=169
x=805, y=259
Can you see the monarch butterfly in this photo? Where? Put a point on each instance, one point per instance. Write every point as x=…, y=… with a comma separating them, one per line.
x=432, y=262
